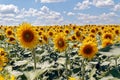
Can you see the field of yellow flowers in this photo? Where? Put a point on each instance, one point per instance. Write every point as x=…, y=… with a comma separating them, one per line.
x=60, y=52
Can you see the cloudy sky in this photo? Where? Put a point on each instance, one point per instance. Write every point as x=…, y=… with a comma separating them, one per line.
x=52, y=12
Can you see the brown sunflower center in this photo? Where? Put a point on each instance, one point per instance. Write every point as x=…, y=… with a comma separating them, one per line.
x=88, y=50
x=107, y=36
x=28, y=36
x=73, y=38
x=50, y=33
x=9, y=32
x=77, y=33
x=40, y=33
x=67, y=31
x=108, y=43
x=93, y=36
x=99, y=33
x=45, y=38
x=12, y=39
x=93, y=31
x=61, y=42
x=117, y=31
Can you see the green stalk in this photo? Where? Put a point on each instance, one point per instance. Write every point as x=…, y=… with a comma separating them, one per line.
x=83, y=69
x=116, y=63
x=34, y=58
x=66, y=64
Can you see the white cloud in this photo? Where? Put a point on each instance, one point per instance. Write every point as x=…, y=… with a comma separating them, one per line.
x=97, y=3
x=70, y=14
x=116, y=7
x=48, y=16
x=35, y=16
x=49, y=1
x=84, y=5
x=5, y=9
x=103, y=3
x=105, y=18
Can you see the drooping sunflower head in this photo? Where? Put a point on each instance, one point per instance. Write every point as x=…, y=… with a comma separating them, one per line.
x=106, y=42
x=11, y=40
x=45, y=38
x=108, y=36
x=2, y=52
x=117, y=31
x=27, y=36
x=88, y=50
x=3, y=58
x=92, y=35
x=77, y=34
x=60, y=42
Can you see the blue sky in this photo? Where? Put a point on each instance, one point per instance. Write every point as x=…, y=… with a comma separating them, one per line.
x=59, y=12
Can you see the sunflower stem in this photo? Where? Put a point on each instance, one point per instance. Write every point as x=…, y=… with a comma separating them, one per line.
x=34, y=58
x=83, y=69
x=116, y=62
x=66, y=64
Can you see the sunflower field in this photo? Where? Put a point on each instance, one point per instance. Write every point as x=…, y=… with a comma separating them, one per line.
x=60, y=52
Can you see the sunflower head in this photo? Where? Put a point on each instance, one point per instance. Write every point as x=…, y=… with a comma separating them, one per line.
x=77, y=34
x=66, y=31
x=45, y=38
x=106, y=42
x=11, y=40
x=108, y=36
x=88, y=50
x=2, y=52
x=60, y=42
x=93, y=30
x=27, y=36
x=72, y=78
x=9, y=32
x=3, y=58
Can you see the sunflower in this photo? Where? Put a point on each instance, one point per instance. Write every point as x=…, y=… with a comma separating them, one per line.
x=11, y=40
x=117, y=31
x=27, y=36
x=3, y=62
x=60, y=42
x=45, y=39
x=108, y=35
x=2, y=52
x=1, y=77
x=9, y=32
x=41, y=41
x=77, y=34
x=72, y=78
x=92, y=35
x=89, y=39
x=51, y=33
x=88, y=50
x=7, y=77
x=66, y=31
x=93, y=30
x=40, y=32
x=106, y=42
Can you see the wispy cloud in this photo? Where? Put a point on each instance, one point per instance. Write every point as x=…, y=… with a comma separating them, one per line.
x=49, y=1
x=84, y=5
